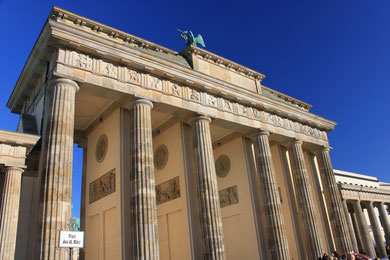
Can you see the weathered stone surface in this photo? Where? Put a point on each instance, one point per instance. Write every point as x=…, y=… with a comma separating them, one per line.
x=363, y=228
x=210, y=211
x=384, y=221
x=9, y=211
x=143, y=194
x=335, y=207
x=276, y=233
x=380, y=244
x=56, y=182
x=305, y=201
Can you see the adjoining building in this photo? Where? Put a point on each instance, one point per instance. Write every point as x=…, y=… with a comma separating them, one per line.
x=186, y=156
x=366, y=202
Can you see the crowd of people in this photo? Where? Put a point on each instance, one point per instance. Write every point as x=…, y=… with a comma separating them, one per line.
x=350, y=256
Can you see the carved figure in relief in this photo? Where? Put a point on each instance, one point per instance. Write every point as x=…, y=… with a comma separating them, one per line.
x=195, y=95
x=155, y=83
x=167, y=191
x=242, y=110
x=211, y=100
x=83, y=61
x=134, y=77
x=228, y=196
x=161, y=157
x=228, y=106
x=176, y=89
x=110, y=70
x=256, y=114
x=102, y=187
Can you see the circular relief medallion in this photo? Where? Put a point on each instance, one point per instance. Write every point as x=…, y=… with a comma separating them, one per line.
x=222, y=166
x=101, y=148
x=160, y=157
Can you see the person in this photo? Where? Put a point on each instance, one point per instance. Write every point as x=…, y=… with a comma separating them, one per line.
x=324, y=256
x=335, y=254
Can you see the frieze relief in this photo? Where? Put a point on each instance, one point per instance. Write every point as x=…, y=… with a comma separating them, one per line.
x=102, y=187
x=168, y=191
x=228, y=196
x=86, y=62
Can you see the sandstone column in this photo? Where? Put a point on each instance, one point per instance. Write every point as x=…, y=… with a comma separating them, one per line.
x=305, y=201
x=356, y=229
x=351, y=229
x=380, y=244
x=362, y=225
x=56, y=176
x=210, y=211
x=335, y=207
x=10, y=212
x=142, y=182
x=384, y=221
x=276, y=234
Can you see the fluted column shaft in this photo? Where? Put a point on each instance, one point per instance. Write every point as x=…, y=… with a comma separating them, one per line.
x=9, y=212
x=56, y=182
x=305, y=201
x=363, y=228
x=380, y=244
x=356, y=229
x=276, y=233
x=384, y=221
x=142, y=181
x=335, y=207
x=351, y=229
x=210, y=211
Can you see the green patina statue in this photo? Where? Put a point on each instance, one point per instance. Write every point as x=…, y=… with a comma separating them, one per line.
x=188, y=36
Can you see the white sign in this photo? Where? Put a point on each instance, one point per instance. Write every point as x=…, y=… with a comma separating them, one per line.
x=72, y=239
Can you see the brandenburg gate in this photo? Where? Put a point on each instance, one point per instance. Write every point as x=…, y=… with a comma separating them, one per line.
x=186, y=155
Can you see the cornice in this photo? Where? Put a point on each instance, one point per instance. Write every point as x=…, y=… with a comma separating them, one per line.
x=63, y=15
x=22, y=139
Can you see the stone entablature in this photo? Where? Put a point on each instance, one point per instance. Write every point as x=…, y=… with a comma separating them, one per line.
x=73, y=64
x=356, y=192
x=291, y=115
x=14, y=147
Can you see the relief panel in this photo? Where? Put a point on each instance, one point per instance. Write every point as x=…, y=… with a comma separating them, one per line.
x=228, y=196
x=168, y=190
x=102, y=187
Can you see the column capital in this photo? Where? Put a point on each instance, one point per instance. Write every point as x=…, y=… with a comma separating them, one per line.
x=323, y=149
x=62, y=81
x=292, y=142
x=200, y=118
x=14, y=168
x=142, y=101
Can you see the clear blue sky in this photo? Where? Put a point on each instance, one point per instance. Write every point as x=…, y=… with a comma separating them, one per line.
x=334, y=55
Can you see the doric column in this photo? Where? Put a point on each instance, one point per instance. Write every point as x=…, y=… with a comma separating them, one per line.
x=305, y=201
x=142, y=182
x=384, y=221
x=356, y=230
x=380, y=244
x=210, y=211
x=368, y=246
x=56, y=175
x=335, y=207
x=276, y=233
x=351, y=229
x=10, y=211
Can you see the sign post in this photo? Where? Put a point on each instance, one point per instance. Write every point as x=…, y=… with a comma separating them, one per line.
x=71, y=239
